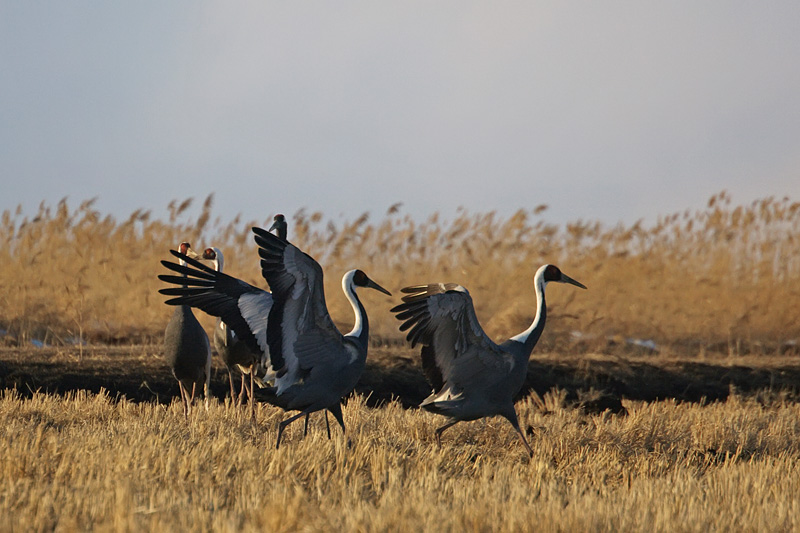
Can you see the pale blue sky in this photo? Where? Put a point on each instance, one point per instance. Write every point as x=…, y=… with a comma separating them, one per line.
x=602, y=110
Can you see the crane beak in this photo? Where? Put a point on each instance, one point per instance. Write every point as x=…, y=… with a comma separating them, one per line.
x=275, y=225
x=191, y=254
x=377, y=287
x=567, y=279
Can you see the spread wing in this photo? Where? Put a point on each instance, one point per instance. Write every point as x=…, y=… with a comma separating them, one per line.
x=456, y=351
x=300, y=330
x=243, y=307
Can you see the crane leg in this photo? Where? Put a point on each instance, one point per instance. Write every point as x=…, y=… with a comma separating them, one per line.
x=285, y=423
x=248, y=387
x=336, y=411
x=207, y=392
x=328, y=426
x=230, y=382
x=184, y=399
x=242, y=390
x=250, y=393
x=191, y=399
x=511, y=416
x=442, y=429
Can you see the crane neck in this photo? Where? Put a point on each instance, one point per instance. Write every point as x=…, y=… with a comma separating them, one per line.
x=219, y=259
x=280, y=226
x=183, y=274
x=360, y=329
x=530, y=336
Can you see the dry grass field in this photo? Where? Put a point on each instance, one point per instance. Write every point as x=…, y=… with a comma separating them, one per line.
x=84, y=462
x=702, y=430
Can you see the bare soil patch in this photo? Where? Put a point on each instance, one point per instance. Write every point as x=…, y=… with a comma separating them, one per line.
x=594, y=382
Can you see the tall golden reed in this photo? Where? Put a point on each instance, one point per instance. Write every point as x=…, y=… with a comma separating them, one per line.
x=726, y=277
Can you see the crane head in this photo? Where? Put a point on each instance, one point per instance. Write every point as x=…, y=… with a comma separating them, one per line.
x=279, y=224
x=186, y=249
x=553, y=273
x=214, y=254
x=360, y=279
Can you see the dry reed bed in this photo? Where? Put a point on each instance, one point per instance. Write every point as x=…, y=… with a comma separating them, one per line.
x=86, y=463
x=727, y=275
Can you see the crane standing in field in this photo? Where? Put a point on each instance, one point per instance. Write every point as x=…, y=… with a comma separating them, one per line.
x=233, y=352
x=311, y=364
x=187, y=349
x=472, y=377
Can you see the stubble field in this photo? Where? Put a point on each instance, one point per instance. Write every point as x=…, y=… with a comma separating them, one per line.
x=663, y=398
x=82, y=461
x=94, y=439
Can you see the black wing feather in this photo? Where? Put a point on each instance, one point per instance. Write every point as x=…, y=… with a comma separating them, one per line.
x=414, y=314
x=216, y=293
x=430, y=369
x=271, y=250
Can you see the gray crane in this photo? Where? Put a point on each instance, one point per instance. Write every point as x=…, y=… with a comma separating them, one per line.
x=310, y=363
x=233, y=352
x=315, y=365
x=280, y=227
x=472, y=377
x=187, y=350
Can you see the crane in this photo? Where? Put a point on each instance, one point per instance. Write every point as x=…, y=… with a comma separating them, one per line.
x=472, y=377
x=186, y=348
x=233, y=352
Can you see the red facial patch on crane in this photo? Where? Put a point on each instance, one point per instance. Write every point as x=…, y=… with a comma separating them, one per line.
x=209, y=253
x=184, y=247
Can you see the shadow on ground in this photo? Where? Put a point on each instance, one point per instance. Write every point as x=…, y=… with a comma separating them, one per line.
x=595, y=383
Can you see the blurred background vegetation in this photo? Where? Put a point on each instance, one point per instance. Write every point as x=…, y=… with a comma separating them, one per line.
x=723, y=280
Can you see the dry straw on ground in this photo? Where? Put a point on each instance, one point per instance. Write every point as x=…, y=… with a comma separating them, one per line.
x=87, y=463
x=725, y=276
